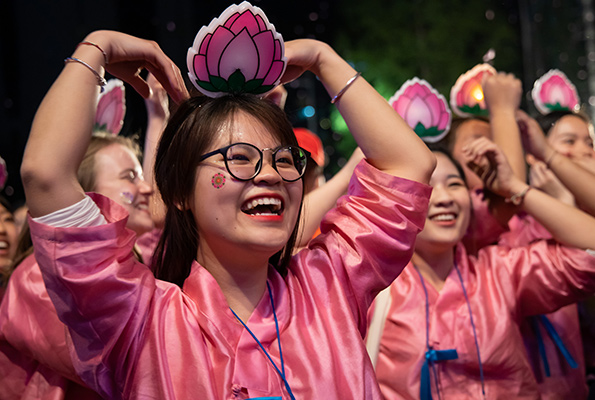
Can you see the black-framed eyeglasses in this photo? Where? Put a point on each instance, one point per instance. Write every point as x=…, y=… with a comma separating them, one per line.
x=244, y=161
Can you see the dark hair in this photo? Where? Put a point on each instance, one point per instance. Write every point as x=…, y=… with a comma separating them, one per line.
x=547, y=121
x=440, y=148
x=189, y=133
x=448, y=143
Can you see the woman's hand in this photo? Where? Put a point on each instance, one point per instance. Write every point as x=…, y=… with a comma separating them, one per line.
x=534, y=141
x=128, y=56
x=487, y=160
x=541, y=177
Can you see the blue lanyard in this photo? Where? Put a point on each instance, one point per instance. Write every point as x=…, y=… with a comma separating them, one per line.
x=433, y=356
x=282, y=371
x=557, y=341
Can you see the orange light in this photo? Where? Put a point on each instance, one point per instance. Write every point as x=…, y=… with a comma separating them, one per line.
x=477, y=93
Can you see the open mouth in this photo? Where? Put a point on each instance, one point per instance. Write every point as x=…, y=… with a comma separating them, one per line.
x=263, y=206
x=443, y=217
x=3, y=245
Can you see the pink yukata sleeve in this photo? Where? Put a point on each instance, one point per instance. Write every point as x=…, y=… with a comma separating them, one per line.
x=100, y=292
x=367, y=239
x=544, y=276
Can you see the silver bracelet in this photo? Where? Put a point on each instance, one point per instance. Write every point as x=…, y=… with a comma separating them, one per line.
x=349, y=83
x=518, y=198
x=100, y=79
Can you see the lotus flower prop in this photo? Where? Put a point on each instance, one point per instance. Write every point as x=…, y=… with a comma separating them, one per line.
x=466, y=96
x=554, y=92
x=3, y=173
x=423, y=108
x=111, y=107
x=239, y=52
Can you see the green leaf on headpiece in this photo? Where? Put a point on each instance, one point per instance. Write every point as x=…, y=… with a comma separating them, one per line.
x=219, y=83
x=475, y=110
x=430, y=132
x=236, y=82
x=556, y=107
x=253, y=85
x=206, y=86
x=263, y=89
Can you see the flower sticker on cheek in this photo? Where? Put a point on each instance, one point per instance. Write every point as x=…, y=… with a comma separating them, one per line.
x=239, y=52
x=218, y=181
x=127, y=197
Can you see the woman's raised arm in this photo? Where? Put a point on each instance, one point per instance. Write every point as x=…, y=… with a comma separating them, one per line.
x=62, y=125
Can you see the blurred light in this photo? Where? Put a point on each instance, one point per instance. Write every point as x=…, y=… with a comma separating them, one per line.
x=589, y=16
x=490, y=15
x=329, y=150
x=341, y=162
x=337, y=136
x=477, y=93
x=308, y=111
x=592, y=101
x=325, y=123
x=582, y=74
x=538, y=17
x=9, y=190
x=563, y=57
x=591, y=56
x=8, y=103
x=313, y=16
x=171, y=26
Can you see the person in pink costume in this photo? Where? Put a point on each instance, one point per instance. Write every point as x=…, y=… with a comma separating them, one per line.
x=187, y=334
x=8, y=241
x=460, y=313
x=34, y=358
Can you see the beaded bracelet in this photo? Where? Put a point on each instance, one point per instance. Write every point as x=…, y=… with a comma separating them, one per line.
x=97, y=47
x=349, y=83
x=100, y=79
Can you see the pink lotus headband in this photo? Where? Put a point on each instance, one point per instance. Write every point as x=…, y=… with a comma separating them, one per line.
x=554, y=92
x=466, y=96
x=239, y=52
x=423, y=108
x=111, y=107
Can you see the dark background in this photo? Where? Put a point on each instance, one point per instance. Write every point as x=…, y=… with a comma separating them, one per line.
x=389, y=41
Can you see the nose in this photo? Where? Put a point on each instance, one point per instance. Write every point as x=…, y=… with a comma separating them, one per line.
x=441, y=196
x=144, y=187
x=267, y=172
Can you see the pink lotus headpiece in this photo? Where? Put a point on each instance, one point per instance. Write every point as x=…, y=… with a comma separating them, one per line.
x=111, y=107
x=554, y=92
x=466, y=96
x=239, y=52
x=3, y=173
x=423, y=108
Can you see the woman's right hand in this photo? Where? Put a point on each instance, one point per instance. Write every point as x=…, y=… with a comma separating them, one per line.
x=128, y=56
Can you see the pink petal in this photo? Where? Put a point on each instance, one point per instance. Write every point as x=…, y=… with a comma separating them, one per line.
x=266, y=50
x=231, y=20
x=218, y=43
x=434, y=107
x=245, y=21
x=241, y=53
x=261, y=24
x=278, y=54
x=401, y=105
x=419, y=112
x=200, y=67
x=110, y=111
x=443, y=122
x=205, y=44
x=417, y=90
x=274, y=73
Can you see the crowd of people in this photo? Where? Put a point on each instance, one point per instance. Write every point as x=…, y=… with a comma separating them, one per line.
x=218, y=264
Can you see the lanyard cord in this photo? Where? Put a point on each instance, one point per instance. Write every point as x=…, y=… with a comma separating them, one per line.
x=474, y=331
x=282, y=372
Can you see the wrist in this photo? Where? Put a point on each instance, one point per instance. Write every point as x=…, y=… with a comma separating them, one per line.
x=517, y=194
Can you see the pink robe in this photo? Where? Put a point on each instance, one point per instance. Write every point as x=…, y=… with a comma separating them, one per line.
x=504, y=286
x=137, y=337
x=34, y=356
x=563, y=382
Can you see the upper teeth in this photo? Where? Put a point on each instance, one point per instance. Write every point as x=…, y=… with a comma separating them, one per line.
x=263, y=201
x=3, y=244
x=443, y=217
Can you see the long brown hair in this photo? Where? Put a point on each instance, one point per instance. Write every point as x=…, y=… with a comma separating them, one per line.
x=189, y=134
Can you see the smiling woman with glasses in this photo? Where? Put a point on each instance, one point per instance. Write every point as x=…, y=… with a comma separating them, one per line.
x=228, y=311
